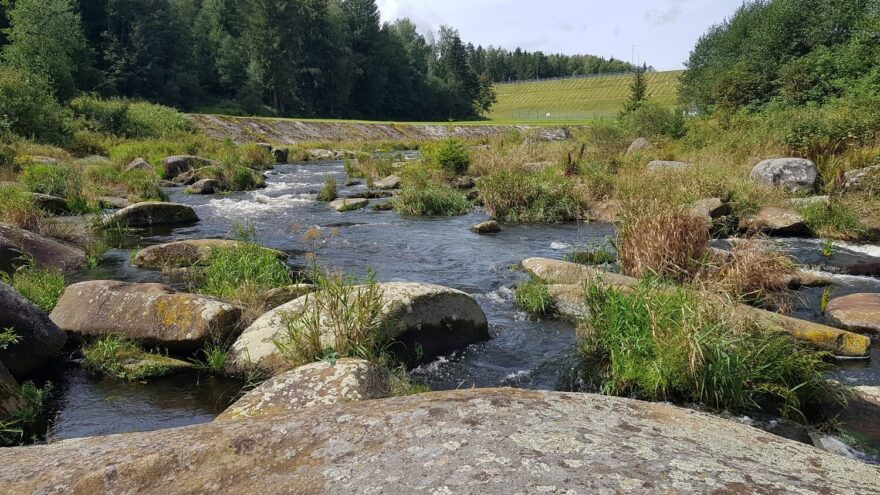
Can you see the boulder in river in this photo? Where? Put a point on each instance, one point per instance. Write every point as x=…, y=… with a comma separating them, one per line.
x=18, y=244
x=173, y=166
x=38, y=337
x=349, y=204
x=181, y=254
x=425, y=321
x=461, y=441
x=154, y=314
x=151, y=214
x=139, y=164
x=658, y=165
x=776, y=221
x=390, y=182
x=792, y=174
x=856, y=312
x=490, y=227
x=206, y=186
x=316, y=384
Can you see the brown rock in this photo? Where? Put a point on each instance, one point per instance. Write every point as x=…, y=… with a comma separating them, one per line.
x=465, y=441
x=776, y=221
x=186, y=253
x=45, y=252
x=139, y=164
x=321, y=383
x=856, y=312
x=173, y=166
x=151, y=313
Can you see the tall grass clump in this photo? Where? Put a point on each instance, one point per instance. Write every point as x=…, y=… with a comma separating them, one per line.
x=520, y=196
x=452, y=155
x=343, y=319
x=328, y=190
x=833, y=221
x=16, y=429
x=533, y=296
x=129, y=119
x=17, y=207
x=115, y=356
x=58, y=180
x=661, y=241
x=41, y=286
x=421, y=195
x=672, y=345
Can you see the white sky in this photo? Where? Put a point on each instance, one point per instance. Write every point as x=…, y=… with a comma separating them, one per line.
x=663, y=31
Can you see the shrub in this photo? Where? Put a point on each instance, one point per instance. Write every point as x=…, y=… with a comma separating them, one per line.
x=423, y=196
x=533, y=296
x=833, y=220
x=328, y=191
x=41, y=286
x=58, y=180
x=28, y=108
x=451, y=155
x=516, y=196
x=652, y=120
x=673, y=345
x=130, y=119
x=342, y=319
x=662, y=241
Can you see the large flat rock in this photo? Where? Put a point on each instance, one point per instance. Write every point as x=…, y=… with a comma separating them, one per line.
x=474, y=441
x=426, y=321
x=857, y=312
x=151, y=313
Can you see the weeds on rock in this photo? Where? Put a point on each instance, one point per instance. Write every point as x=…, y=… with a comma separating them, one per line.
x=123, y=359
x=41, y=286
x=533, y=296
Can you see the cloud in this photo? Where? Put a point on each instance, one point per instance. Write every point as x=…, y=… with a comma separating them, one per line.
x=668, y=14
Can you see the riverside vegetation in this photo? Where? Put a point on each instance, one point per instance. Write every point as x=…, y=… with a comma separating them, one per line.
x=679, y=335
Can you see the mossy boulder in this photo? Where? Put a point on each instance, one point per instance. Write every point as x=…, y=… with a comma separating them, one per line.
x=463, y=441
x=349, y=204
x=186, y=253
x=152, y=214
x=490, y=227
x=153, y=314
x=206, y=186
x=425, y=321
x=38, y=337
x=321, y=383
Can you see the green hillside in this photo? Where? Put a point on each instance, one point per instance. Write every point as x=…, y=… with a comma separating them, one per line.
x=576, y=99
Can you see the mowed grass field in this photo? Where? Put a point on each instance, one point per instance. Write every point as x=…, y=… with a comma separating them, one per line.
x=576, y=99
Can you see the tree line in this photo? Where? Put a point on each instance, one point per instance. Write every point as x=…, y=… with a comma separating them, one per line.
x=308, y=58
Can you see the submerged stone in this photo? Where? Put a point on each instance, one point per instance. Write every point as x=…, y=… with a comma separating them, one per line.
x=464, y=441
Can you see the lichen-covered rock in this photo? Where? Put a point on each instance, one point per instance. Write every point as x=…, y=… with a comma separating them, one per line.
x=349, y=204
x=17, y=244
x=206, y=186
x=570, y=276
x=38, y=337
x=640, y=144
x=792, y=174
x=321, y=383
x=10, y=395
x=658, y=165
x=151, y=313
x=390, y=182
x=856, y=312
x=173, y=166
x=139, y=164
x=462, y=442
x=151, y=214
x=180, y=254
x=776, y=221
x=425, y=320
x=320, y=155
x=490, y=227
x=863, y=179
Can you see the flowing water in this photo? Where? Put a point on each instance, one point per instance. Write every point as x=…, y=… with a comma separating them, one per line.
x=522, y=352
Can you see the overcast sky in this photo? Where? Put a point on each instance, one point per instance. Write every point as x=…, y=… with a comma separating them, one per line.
x=663, y=31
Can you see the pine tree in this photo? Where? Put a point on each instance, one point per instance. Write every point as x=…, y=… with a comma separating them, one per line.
x=638, y=90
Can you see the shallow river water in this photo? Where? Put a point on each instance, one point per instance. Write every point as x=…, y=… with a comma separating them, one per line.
x=522, y=352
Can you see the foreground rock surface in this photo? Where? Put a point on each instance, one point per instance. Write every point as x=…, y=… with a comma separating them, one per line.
x=316, y=384
x=856, y=312
x=185, y=253
x=792, y=174
x=151, y=214
x=427, y=321
x=17, y=244
x=567, y=279
x=463, y=442
x=151, y=313
x=38, y=337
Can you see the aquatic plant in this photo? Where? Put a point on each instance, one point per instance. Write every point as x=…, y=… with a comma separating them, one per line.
x=520, y=196
x=211, y=359
x=533, y=296
x=328, y=191
x=14, y=429
x=673, y=344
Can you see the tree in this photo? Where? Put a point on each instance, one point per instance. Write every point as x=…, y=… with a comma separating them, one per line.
x=638, y=90
x=46, y=39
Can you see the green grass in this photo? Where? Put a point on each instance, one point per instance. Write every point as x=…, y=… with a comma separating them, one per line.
x=211, y=359
x=41, y=286
x=15, y=429
x=833, y=221
x=575, y=100
x=532, y=296
x=111, y=355
x=328, y=190
x=234, y=272
x=670, y=344
x=423, y=196
x=519, y=196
